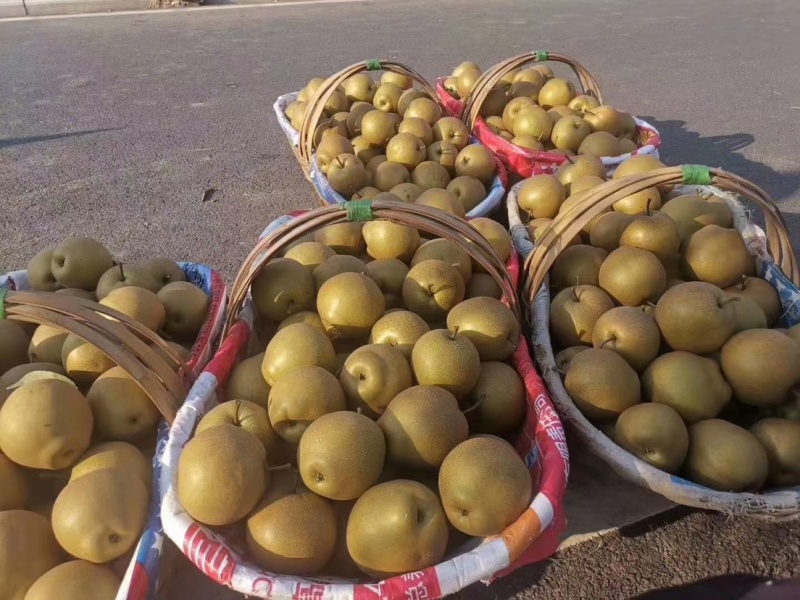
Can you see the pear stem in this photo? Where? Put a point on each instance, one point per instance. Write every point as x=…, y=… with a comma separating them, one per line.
x=647, y=207
x=473, y=407
x=285, y=467
x=236, y=420
x=608, y=341
x=575, y=293
x=455, y=332
x=726, y=301
x=121, y=273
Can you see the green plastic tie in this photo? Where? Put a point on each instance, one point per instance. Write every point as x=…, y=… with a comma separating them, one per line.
x=373, y=64
x=696, y=175
x=541, y=55
x=3, y=292
x=359, y=210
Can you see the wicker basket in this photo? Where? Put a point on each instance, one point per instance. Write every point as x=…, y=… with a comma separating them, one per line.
x=523, y=161
x=122, y=339
x=302, y=141
x=122, y=342
x=777, y=264
x=541, y=442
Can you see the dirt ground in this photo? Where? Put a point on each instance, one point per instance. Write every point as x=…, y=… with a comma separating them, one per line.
x=653, y=555
x=676, y=547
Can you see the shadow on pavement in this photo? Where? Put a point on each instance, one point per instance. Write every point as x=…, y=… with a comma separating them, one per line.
x=664, y=519
x=724, y=587
x=683, y=146
x=11, y=142
x=792, y=222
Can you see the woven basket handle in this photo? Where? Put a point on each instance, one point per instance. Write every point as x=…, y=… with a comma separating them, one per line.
x=423, y=218
x=316, y=105
x=486, y=83
x=567, y=225
x=116, y=335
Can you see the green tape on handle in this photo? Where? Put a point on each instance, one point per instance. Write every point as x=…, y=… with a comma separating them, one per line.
x=696, y=175
x=3, y=292
x=373, y=64
x=541, y=55
x=359, y=210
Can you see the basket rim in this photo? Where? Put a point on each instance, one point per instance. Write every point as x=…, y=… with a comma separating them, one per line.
x=316, y=104
x=654, y=140
x=421, y=217
x=327, y=195
x=566, y=226
x=487, y=81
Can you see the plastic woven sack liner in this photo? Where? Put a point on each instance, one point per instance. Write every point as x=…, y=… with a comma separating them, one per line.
x=494, y=195
x=141, y=577
x=279, y=107
x=526, y=163
x=542, y=444
x=777, y=503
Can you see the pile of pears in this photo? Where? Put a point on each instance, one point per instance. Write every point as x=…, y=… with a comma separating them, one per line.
x=666, y=335
x=532, y=108
x=390, y=141
x=361, y=434
x=77, y=433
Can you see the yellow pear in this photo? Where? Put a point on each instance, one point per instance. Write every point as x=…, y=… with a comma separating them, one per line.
x=40, y=273
x=231, y=462
x=79, y=262
x=99, y=517
x=400, y=329
x=296, y=346
x=350, y=304
x=447, y=359
x=432, y=288
x=373, y=375
x=248, y=416
x=309, y=254
x=390, y=240
x=247, y=383
x=121, y=408
x=75, y=579
x=302, y=396
x=389, y=275
x=45, y=424
x=282, y=288
x=186, y=306
x=114, y=455
x=487, y=323
x=28, y=550
x=46, y=344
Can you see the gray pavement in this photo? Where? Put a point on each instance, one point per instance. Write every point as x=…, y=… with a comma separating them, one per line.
x=115, y=126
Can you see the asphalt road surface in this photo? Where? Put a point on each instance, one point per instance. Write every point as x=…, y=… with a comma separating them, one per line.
x=114, y=127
